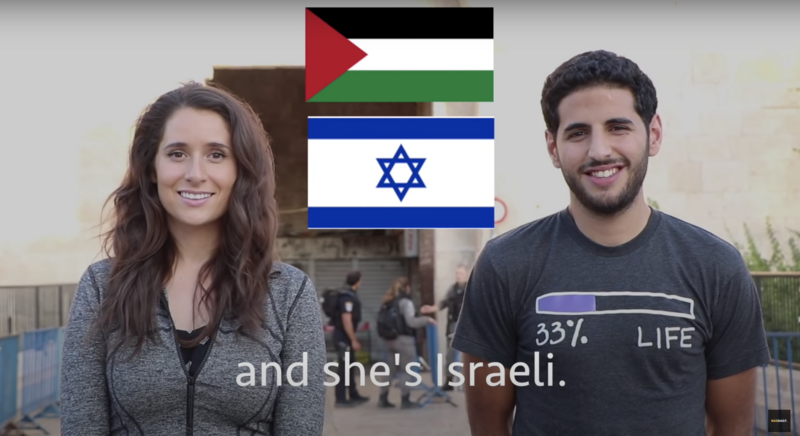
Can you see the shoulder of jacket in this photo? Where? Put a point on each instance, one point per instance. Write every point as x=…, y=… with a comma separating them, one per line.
x=287, y=281
x=97, y=276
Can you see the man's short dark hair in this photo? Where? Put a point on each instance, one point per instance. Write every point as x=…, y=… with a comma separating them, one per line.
x=353, y=277
x=597, y=68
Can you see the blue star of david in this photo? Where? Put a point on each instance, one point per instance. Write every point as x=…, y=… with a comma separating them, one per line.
x=401, y=157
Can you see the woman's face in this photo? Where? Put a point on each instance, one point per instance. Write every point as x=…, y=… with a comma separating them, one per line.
x=195, y=168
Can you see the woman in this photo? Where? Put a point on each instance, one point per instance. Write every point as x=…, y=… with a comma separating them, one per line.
x=170, y=335
x=402, y=350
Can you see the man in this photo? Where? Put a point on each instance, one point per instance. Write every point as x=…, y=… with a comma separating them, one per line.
x=452, y=302
x=631, y=322
x=345, y=325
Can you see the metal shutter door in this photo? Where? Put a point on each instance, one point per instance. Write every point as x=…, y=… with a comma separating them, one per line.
x=330, y=273
x=327, y=274
x=377, y=277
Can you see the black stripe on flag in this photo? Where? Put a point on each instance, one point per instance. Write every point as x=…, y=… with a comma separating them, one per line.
x=410, y=23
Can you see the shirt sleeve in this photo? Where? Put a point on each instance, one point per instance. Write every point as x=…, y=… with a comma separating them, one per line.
x=445, y=302
x=486, y=327
x=738, y=340
x=299, y=410
x=415, y=322
x=84, y=393
x=346, y=304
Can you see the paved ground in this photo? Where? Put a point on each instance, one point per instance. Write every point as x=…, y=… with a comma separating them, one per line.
x=436, y=419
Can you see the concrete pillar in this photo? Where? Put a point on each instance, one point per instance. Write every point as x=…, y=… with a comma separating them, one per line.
x=483, y=236
x=453, y=246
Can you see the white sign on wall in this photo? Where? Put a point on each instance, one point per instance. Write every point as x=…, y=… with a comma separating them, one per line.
x=410, y=243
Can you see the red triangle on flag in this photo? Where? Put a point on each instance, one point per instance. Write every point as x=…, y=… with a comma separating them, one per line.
x=328, y=54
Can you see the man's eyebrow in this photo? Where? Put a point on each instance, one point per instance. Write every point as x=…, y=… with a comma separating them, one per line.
x=183, y=144
x=620, y=120
x=574, y=126
x=581, y=125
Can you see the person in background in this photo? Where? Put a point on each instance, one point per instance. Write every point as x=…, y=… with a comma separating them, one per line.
x=452, y=302
x=192, y=290
x=402, y=349
x=345, y=325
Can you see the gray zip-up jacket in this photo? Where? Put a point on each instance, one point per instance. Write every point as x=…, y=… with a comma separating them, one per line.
x=408, y=311
x=102, y=394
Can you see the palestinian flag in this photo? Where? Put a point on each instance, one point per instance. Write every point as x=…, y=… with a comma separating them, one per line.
x=399, y=54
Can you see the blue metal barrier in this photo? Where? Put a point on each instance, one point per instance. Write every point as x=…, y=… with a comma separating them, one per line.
x=58, y=368
x=435, y=391
x=777, y=381
x=457, y=358
x=9, y=373
x=41, y=361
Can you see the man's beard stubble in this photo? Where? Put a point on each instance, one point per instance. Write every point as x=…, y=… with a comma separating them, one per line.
x=610, y=206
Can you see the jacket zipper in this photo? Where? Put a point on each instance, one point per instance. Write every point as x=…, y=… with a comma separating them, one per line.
x=190, y=379
x=190, y=386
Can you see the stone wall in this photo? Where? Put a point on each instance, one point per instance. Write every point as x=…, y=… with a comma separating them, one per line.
x=728, y=84
x=732, y=129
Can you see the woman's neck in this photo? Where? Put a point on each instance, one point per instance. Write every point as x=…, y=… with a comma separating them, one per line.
x=195, y=245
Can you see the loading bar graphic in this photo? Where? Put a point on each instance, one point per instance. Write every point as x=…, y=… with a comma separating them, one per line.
x=608, y=303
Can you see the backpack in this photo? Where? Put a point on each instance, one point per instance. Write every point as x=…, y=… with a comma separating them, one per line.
x=329, y=300
x=391, y=323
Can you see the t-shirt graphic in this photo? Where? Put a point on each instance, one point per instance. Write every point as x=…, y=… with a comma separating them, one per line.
x=582, y=304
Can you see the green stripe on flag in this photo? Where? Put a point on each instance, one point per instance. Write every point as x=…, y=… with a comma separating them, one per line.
x=409, y=86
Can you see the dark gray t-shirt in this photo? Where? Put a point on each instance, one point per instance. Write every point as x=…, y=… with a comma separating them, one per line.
x=635, y=331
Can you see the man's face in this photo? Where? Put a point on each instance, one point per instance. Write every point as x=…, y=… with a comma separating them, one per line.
x=461, y=275
x=602, y=147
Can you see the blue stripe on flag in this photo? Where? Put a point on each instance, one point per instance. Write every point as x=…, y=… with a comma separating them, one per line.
x=401, y=217
x=400, y=128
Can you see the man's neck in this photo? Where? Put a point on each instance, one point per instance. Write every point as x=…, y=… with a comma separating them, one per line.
x=615, y=230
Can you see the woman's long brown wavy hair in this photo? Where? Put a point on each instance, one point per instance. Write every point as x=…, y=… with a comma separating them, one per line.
x=398, y=287
x=142, y=250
